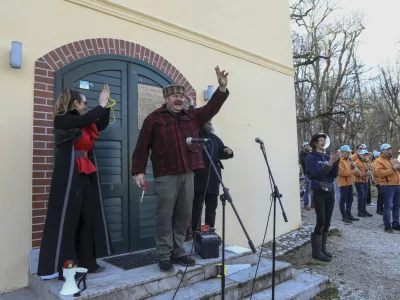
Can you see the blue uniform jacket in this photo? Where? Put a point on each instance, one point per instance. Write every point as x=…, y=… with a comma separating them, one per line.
x=318, y=169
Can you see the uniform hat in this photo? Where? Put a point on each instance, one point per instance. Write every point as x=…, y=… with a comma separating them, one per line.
x=362, y=152
x=345, y=148
x=364, y=146
x=316, y=136
x=173, y=89
x=305, y=144
x=376, y=154
x=386, y=147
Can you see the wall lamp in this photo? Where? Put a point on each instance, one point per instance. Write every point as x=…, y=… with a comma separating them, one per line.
x=16, y=55
x=209, y=92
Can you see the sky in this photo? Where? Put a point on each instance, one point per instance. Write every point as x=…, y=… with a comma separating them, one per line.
x=380, y=41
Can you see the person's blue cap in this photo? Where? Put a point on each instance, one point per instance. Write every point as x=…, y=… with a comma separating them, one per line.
x=364, y=146
x=363, y=152
x=345, y=148
x=305, y=144
x=377, y=153
x=386, y=147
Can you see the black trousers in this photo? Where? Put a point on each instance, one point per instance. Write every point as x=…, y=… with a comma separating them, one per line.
x=369, y=193
x=84, y=233
x=324, y=203
x=346, y=200
x=211, y=202
x=379, y=204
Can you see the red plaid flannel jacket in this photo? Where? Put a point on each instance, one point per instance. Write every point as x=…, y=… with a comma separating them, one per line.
x=165, y=135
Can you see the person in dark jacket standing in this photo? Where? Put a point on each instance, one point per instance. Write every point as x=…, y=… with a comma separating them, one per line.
x=302, y=157
x=322, y=171
x=164, y=133
x=206, y=182
x=75, y=227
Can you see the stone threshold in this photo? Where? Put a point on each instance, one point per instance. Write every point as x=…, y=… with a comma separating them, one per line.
x=139, y=283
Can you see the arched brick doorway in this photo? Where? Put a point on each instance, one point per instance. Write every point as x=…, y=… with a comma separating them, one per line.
x=44, y=95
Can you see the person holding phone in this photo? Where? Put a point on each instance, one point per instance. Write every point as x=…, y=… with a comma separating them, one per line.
x=322, y=171
x=165, y=132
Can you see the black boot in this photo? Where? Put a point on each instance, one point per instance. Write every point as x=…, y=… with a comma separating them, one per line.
x=346, y=220
x=324, y=240
x=316, y=244
x=351, y=218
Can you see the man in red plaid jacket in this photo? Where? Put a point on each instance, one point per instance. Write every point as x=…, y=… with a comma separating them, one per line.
x=164, y=132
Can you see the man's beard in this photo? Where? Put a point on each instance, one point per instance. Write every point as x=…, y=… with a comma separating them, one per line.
x=176, y=102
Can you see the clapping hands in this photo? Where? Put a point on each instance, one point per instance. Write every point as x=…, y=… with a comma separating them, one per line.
x=103, y=99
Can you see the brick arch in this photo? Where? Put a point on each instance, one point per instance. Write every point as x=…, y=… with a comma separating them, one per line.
x=45, y=68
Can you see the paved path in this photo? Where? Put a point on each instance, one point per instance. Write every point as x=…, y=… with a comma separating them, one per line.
x=366, y=262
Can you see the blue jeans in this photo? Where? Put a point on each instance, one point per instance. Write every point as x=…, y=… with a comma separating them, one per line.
x=362, y=193
x=390, y=194
x=346, y=200
x=307, y=190
x=337, y=191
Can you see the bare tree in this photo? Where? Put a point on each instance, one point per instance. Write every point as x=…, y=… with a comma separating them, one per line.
x=323, y=54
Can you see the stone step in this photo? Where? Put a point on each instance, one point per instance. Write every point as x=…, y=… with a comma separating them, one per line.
x=139, y=283
x=237, y=285
x=24, y=294
x=303, y=286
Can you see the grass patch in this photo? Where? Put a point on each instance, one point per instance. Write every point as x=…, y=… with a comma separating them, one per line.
x=330, y=293
x=335, y=232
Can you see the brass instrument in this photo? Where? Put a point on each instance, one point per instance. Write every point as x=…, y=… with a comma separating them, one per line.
x=396, y=162
x=355, y=167
x=369, y=169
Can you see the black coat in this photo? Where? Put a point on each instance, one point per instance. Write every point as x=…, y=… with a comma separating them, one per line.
x=302, y=157
x=216, y=150
x=64, y=207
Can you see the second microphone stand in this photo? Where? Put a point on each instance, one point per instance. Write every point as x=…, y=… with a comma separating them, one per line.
x=226, y=196
x=276, y=195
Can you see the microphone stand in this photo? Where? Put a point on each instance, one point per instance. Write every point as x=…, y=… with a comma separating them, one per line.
x=276, y=195
x=226, y=196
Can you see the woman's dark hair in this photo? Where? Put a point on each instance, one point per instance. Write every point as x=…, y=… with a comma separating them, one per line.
x=65, y=101
x=313, y=146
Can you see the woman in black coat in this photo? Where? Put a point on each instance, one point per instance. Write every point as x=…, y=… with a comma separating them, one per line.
x=75, y=227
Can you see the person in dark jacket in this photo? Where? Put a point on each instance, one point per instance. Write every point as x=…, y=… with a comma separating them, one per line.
x=75, y=227
x=322, y=171
x=306, y=149
x=206, y=182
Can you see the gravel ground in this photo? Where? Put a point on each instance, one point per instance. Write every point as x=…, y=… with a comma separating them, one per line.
x=366, y=263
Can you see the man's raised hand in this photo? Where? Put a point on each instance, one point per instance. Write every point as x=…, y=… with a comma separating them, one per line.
x=222, y=78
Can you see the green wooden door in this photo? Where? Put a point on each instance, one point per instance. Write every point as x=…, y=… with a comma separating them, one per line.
x=112, y=146
x=131, y=223
x=143, y=215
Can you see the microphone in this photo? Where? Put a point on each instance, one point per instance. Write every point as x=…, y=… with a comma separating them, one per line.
x=191, y=141
x=258, y=140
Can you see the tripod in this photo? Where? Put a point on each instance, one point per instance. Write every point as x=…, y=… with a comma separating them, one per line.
x=226, y=196
x=276, y=195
